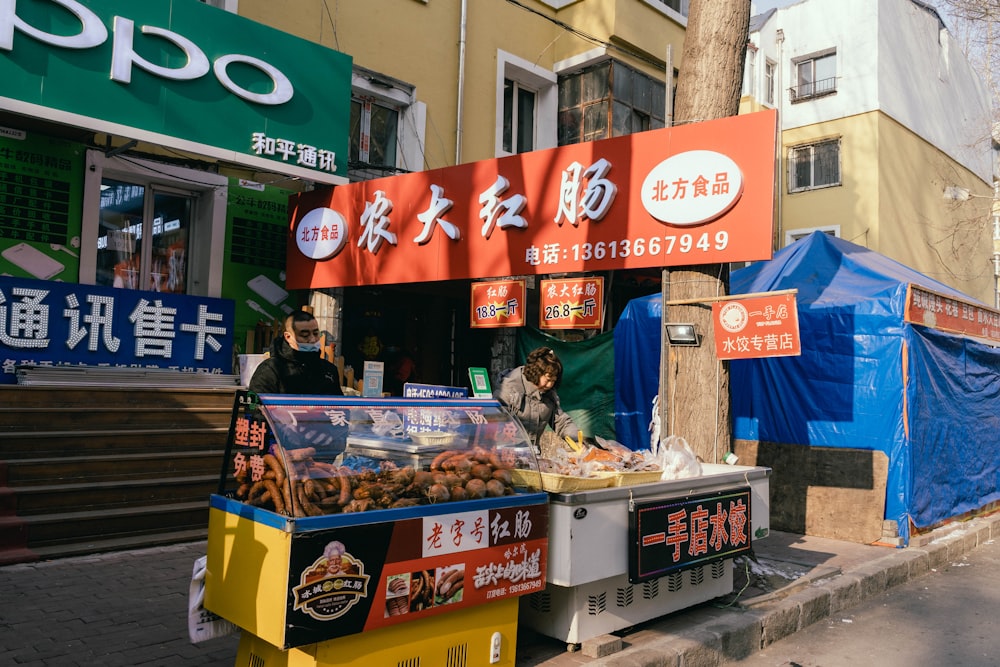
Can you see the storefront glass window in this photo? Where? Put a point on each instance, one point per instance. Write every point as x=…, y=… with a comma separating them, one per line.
x=140, y=249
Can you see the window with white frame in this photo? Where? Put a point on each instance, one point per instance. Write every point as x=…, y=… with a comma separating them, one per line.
x=813, y=166
x=526, y=106
x=518, y=117
x=770, y=67
x=749, y=71
x=386, y=127
x=152, y=226
x=815, y=76
x=228, y=5
x=373, y=134
x=794, y=235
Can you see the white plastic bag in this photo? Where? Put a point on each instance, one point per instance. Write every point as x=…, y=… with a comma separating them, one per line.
x=677, y=459
x=202, y=623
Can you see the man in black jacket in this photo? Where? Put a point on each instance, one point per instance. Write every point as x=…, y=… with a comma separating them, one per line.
x=294, y=365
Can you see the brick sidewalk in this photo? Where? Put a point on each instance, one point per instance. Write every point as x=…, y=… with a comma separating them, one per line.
x=117, y=609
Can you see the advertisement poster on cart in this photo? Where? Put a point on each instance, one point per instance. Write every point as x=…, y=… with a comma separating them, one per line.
x=673, y=534
x=351, y=579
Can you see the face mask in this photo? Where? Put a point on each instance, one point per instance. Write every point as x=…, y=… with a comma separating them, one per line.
x=308, y=347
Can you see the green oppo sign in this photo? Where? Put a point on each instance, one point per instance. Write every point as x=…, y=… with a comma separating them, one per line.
x=181, y=74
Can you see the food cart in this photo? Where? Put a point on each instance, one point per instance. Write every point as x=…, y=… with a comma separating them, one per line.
x=354, y=531
x=631, y=552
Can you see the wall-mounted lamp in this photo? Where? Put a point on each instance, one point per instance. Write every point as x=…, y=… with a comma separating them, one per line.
x=683, y=334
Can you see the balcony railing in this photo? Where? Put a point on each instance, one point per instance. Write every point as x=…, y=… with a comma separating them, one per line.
x=813, y=89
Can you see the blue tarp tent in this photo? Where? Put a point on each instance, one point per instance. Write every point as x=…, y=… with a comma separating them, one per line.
x=866, y=379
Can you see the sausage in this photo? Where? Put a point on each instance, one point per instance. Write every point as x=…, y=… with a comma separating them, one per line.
x=275, y=492
x=275, y=466
x=442, y=457
x=345, y=486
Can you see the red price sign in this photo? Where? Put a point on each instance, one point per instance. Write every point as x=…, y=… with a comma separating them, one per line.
x=571, y=303
x=765, y=326
x=497, y=303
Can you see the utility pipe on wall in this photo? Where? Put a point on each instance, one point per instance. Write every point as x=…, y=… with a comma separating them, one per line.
x=461, y=82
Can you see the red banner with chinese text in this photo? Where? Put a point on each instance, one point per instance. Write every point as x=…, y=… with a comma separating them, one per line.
x=695, y=194
x=946, y=313
x=765, y=326
x=571, y=303
x=497, y=303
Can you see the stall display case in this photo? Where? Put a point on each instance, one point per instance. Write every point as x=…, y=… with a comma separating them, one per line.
x=625, y=555
x=342, y=524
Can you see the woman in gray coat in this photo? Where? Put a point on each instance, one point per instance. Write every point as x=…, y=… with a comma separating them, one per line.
x=529, y=393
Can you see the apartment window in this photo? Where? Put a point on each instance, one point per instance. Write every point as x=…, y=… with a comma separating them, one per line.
x=518, y=118
x=815, y=77
x=525, y=106
x=608, y=99
x=749, y=72
x=794, y=235
x=679, y=6
x=387, y=126
x=374, y=128
x=814, y=166
x=769, y=70
x=228, y=5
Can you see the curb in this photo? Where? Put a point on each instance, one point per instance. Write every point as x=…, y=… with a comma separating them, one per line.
x=715, y=637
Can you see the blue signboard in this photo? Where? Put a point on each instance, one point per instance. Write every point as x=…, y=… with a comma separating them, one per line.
x=52, y=323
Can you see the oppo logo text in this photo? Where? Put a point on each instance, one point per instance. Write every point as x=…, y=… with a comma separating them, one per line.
x=94, y=33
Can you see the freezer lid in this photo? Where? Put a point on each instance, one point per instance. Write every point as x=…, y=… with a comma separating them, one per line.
x=716, y=476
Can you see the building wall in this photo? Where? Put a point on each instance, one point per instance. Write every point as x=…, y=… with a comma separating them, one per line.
x=851, y=209
x=913, y=119
x=946, y=240
x=418, y=43
x=927, y=85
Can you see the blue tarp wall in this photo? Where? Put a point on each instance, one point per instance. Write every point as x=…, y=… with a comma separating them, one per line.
x=866, y=379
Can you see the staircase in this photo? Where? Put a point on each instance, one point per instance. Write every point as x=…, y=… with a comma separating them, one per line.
x=93, y=469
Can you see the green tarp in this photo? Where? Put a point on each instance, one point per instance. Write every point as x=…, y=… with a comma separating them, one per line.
x=587, y=391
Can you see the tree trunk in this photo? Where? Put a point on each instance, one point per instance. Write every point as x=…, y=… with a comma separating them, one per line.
x=695, y=396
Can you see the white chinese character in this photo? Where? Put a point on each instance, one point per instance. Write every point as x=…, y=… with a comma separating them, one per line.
x=532, y=256
x=307, y=155
x=375, y=222
x=204, y=332
x=569, y=194
x=29, y=319
x=154, y=329
x=597, y=196
x=286, y=148
x=496, y=211
x=327, y=160
x=262, y=144
x=101, y=316
x=439, y=206
x=600, y=193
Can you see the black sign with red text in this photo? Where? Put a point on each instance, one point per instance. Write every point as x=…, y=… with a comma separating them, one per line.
x=671, y=534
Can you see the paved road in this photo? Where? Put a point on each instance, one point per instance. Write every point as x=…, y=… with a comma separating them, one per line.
x=947, y=617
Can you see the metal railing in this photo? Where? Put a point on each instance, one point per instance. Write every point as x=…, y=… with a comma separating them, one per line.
x=813, y=89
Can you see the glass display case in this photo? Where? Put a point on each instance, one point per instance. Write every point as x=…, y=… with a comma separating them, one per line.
x=304, y=456
x=340, y=516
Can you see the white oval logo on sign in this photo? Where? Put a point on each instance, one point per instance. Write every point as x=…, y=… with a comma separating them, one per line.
x=321, y=234
x=692, y=188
